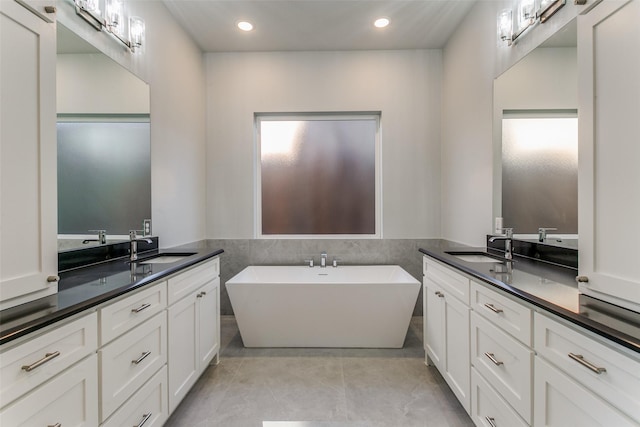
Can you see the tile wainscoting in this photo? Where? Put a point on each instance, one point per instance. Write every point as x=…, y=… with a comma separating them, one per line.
x=240, y=253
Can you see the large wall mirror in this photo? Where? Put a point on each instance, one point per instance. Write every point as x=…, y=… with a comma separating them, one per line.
x=536, y=141
x=104, y=149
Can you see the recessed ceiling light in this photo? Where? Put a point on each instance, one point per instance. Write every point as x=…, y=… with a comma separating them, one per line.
x=381, y=22
x=245, y=26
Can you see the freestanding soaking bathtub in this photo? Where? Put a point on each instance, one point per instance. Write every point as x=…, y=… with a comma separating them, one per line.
x=347, y=306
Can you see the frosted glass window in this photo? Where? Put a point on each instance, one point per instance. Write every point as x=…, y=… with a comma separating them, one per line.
x=540, y=173
x=104, y=175
x=318, y=175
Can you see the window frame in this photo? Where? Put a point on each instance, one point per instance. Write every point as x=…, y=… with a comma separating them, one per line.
x=308, y=116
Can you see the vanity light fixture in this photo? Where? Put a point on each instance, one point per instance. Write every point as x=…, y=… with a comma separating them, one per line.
x=381, y=22
x=505, y=26
x=136, y=33
x=113, y=11
x=113, y=22
x=245, y=25
x=528, y=14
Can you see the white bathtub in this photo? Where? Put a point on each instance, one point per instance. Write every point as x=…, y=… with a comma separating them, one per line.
x=347, y=306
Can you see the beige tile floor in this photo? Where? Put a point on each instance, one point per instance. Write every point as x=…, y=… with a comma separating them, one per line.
x=285, y=387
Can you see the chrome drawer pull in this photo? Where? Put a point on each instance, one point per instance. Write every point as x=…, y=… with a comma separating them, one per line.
x=493, y=359
x=491, y=421
x=47, y=357
x=439, y=294
x=141, y=358
x=54, y=425
x=139, y=309
x=145, y=418
x=493, y=308
x=580, y=359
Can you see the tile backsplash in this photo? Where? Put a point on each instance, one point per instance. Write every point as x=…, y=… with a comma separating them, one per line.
x=240, y=253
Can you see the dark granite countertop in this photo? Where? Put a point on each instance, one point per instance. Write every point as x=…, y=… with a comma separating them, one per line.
x=87, y=287
x=546, y=286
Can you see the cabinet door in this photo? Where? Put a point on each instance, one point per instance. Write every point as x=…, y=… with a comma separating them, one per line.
x=45, y=9
x=457, y=371
x=209, y=328
x=28, y=185
x=560, y=401
x=183, y=344
x=434, y=323
x=609, y=131
x=447, y=339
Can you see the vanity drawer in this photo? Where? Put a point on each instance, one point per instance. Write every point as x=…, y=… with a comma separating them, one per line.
x=129, y=312
x=47, y=355
x=561, y=401
x=452, y=282
x=580, y=357
x=69, y=399
x=149, y=404
x=488, y=408
x=129, y=361
x=504, y=362
x=505, y=313
x=183, y=284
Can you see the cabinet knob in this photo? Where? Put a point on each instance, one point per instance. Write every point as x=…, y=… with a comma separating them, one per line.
x=491, y=421
x=493, y=308
x=582, y=279
x=50, y=9
x=145, y=418
x=53, y=279
x=141, y=358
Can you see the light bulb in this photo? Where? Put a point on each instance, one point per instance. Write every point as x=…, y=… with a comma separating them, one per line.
x=136, y=33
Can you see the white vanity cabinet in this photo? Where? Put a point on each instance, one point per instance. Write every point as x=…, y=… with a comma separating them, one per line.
x=609, y=131
x=581, y=380
x=527, y=367
x=194, y=329
x=446, y=330
x=28, y=192
x=51, y=378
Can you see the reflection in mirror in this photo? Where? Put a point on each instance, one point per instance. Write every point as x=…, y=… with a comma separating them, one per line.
x=540, y=171
x=104, y=160
x=535, y=138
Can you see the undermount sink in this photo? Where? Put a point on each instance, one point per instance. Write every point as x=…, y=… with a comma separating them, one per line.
x=165, y=258
x=475, y=256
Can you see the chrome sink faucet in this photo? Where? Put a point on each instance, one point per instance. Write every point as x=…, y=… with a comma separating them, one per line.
x=508, y=241
x=323, y=259
x=102, y=237
x=542, y=233
x=133, y=241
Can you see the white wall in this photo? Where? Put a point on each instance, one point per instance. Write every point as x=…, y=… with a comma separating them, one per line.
x=547, y=78
x=173, y=66
x=467, y=154
x=404, y=85
x=111, y=88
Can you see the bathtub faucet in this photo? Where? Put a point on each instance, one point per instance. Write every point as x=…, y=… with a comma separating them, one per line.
x=323, y=259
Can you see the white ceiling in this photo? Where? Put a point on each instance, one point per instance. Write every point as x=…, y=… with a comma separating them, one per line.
x=295, y=25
